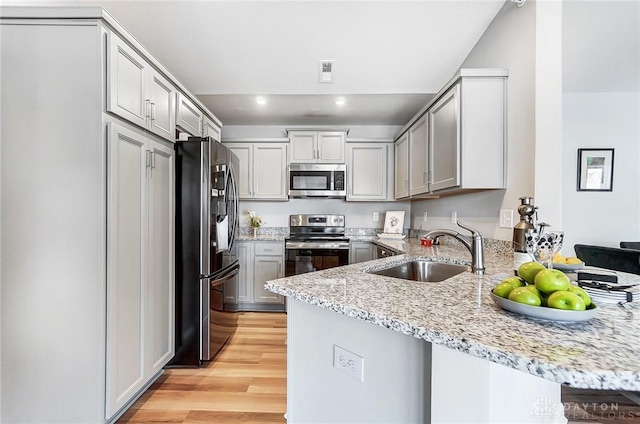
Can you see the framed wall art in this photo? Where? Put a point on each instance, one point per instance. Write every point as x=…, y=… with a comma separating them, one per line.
x=595, y=170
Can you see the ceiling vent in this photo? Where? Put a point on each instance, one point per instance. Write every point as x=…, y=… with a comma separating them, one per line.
x=325, y=71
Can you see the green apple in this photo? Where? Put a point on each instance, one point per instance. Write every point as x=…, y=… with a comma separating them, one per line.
x=514, y=281
x=528, y=270
x=534, y=290
x=564, y=299
x=581, y=293
x=551, y=280
x=503, y=290
x=524, y=295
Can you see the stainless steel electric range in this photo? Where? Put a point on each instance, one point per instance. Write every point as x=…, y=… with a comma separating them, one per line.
x=315, y=242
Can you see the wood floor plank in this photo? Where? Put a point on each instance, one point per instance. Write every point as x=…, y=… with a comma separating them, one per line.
x=208, y=417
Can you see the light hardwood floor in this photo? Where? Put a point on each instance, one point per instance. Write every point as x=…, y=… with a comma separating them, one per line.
x=245, y=383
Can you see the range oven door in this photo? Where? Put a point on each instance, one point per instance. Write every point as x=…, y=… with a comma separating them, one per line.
x=302, y=260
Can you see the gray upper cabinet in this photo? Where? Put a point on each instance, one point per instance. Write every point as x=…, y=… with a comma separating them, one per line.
x=402, y=167
x=317, y=146
x=444, y=119
x=263, y=170
x=369, y=171
x=137, y=92
x=419, y=154
x=127, y=82
x=188, y=116
x=457, y=143
x=161, y=116
x=211, y=129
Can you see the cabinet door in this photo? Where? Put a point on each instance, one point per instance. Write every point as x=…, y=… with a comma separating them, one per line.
x=360, y=252
x=189, y=117
x=304, y=145
x=160, y=342
x=444, y=118
x=331, y=147
x=367, y=171
x=245, y=274
x=210, y=129
x=270, y=171
x=126, y=265
x=244, y=152
x=162, y=97
x=419, y=154
x=402, y=167
x=126, y=93
x=267, y=268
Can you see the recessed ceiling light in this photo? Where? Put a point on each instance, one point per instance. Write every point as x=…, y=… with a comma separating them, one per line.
x=340, y=101
x=261, y=100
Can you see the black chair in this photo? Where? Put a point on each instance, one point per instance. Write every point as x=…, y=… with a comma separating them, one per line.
x=625, y=260
x=630, y=245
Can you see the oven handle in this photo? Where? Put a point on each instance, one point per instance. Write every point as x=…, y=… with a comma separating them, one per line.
x=290, y=245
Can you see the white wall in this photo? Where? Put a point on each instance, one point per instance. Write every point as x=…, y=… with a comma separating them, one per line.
x=601, y=109
x=357, y=214
x=509, y=42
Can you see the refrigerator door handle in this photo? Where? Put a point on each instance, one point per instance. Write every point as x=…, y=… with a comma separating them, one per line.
x=223, y=276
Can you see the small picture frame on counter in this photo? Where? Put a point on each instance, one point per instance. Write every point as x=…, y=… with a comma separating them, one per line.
x=595, y=170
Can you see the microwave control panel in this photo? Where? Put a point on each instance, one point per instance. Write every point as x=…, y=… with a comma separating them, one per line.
x=338, y=183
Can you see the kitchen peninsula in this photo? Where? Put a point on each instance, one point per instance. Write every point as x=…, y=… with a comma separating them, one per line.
x=468, y=360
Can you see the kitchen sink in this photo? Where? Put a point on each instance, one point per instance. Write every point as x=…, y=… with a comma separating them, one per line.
x=421, y=270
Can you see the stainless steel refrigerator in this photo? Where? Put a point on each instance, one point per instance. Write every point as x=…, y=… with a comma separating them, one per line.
x=206, y=260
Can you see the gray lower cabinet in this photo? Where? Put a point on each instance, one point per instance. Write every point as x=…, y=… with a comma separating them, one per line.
x=260, y=261
x=361, y=251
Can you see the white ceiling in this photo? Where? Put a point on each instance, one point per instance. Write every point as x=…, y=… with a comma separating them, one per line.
x=389, y=55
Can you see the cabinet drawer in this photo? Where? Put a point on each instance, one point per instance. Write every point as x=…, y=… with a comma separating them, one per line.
x=269, y=249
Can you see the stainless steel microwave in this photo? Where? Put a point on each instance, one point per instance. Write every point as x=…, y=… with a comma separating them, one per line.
x=317, y=180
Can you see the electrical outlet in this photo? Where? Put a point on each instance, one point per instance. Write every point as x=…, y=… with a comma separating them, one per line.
x=454, y=217
x=376, y=217
x=348, y=363
x=506, y=218
x=424, y=218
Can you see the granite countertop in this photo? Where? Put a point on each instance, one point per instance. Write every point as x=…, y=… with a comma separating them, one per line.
x=603, y=353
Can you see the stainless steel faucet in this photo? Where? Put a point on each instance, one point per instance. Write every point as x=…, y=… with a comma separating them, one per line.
x=474, y=243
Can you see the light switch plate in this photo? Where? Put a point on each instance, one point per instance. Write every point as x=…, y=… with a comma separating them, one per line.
x=506, y=218
x=376, y=217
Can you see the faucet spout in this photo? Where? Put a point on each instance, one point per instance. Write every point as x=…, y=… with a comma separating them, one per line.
x=474, y=244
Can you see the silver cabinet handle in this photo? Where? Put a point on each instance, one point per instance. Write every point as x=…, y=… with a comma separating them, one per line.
x=153, y=111
x=148, y=159
x=279, y=269
x=147, y=112
x=153, y=159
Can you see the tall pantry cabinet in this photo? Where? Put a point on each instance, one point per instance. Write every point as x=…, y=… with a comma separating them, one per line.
x=87, y=216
